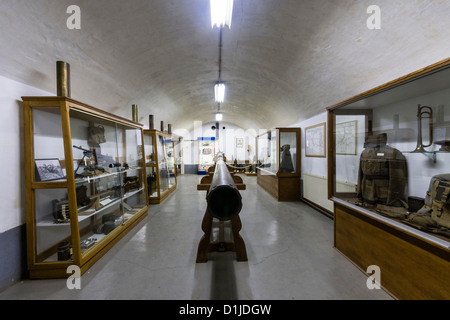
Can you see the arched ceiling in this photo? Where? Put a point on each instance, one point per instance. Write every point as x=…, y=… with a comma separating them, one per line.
x=283, y=60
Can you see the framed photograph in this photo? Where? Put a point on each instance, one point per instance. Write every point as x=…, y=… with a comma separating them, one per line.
x=48, y=169
x=315, y=141
x=346, y=137
x=239, y=143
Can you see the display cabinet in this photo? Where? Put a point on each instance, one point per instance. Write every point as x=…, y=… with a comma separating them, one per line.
x=389, y=179
x=206, y=153
x=279, y=167
x=160, y=165
x=85, y=183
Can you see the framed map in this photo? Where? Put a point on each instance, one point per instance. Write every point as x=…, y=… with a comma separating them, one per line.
x=315, y=144
x=346, y=137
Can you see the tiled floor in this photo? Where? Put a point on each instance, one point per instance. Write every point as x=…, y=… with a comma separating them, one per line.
x=289, y=246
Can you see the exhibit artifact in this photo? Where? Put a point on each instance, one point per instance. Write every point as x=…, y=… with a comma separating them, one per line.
x=224, y=202
x=390, y=193
x=279, y=170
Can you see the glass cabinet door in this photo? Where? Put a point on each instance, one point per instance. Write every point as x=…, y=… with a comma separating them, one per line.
x=162, y=165
x=288, y=152
x=108, y=162
x=97, y=170
x=267, y=152
x=206, y=152
x=391, y=156
x=48, y=145
x=133, y=175
x=150, y=163
x=170, y=158
x=51, y=205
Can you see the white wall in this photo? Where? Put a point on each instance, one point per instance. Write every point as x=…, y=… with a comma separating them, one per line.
x=12, y=192
x=226, y=142
x=314, y=170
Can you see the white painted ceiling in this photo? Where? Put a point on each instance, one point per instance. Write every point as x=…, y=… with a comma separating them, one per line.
x=283, y=60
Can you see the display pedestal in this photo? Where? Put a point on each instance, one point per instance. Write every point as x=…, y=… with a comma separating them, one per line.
x=207, y=243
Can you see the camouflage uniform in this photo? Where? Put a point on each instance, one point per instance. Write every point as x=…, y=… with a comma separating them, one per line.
x=382, y=174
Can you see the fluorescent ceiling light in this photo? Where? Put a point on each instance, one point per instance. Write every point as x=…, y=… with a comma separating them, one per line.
x=219, y=116
x=221, y=12
x=219, y=90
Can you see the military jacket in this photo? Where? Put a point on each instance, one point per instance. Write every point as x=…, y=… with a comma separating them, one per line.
x=382, y=176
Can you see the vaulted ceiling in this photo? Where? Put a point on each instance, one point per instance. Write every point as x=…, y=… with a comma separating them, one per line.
x=283, y=60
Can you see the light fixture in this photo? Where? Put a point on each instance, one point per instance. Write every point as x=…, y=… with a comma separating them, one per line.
x=219, y=90
x=219, y=116
x=221, y=13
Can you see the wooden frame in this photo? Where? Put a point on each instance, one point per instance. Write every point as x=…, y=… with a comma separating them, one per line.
x=367, y=238
x=282, y=186
x=315, y=141
x=37, y=265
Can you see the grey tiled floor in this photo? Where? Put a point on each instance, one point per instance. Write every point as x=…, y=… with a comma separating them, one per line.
x=289, y=247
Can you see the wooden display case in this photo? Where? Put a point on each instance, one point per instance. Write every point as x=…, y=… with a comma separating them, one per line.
x=380, y=182
x=278, y=153
x=160, y=164
x=84, y=182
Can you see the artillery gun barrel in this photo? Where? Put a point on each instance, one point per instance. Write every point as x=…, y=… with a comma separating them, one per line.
x=224, y=199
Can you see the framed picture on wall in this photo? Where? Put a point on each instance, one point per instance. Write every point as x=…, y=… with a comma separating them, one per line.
x=315, y=141
x=239, y=143
x=48, y=169
x=346, y=137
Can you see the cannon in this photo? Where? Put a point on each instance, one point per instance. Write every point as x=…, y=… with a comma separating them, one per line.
x=224, y=199
x=224, y=202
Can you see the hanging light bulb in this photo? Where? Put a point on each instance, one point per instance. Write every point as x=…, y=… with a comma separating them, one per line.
x=219, y=116
x=221, y=13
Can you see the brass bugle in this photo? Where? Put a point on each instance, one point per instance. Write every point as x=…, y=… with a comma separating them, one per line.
x=424, y=112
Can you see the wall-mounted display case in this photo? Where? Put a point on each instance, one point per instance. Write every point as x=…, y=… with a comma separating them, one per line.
x=389, y=179
x=278, y=152
x=85, y=183
x=160, y=164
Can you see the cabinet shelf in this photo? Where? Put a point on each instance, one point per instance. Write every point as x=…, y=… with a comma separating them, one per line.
x=104, y=175
x=49, y=222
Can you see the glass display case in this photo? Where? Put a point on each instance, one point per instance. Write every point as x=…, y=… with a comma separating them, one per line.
x=85, y=183
x=390, y=168
x=278, y=152
x=206, y=152
x=160, y=164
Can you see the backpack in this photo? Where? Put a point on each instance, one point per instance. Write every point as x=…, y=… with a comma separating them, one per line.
x=437, y=200
x=96, y=135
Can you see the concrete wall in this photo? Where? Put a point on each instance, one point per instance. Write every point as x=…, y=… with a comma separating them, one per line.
x=12, y=191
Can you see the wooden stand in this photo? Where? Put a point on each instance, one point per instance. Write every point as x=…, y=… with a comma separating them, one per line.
x=207, y=244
